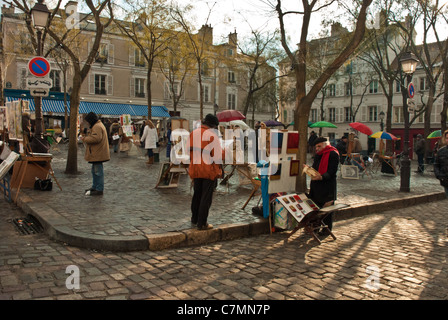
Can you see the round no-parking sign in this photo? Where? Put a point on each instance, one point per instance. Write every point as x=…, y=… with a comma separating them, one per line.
x=39, y=66
x=411, y=90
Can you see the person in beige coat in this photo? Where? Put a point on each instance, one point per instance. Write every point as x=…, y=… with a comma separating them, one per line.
x=97, y=152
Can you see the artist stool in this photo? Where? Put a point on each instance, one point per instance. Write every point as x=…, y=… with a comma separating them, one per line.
x=313, y=222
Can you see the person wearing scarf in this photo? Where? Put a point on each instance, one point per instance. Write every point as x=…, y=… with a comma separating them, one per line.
x=323, y=189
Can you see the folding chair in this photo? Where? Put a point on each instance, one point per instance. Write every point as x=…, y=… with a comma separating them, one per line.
x=313, y=221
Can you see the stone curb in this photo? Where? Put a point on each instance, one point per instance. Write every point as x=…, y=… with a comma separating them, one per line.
x=57, y=227
x=391, y=204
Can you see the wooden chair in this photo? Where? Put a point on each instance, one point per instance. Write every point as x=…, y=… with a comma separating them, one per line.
x=256, y=183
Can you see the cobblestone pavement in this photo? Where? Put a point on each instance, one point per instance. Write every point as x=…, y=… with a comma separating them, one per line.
x=399, y=254
x=132, y=206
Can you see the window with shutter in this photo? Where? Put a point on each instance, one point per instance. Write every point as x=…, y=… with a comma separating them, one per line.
x=139, y=87
x=100, y=84
x=110, y=85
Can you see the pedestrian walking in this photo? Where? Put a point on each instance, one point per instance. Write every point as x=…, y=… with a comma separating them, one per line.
x=205, y=168
x=341, y=146
x=323, y=186
x=107, y=125
x=115, y=135
x=420, y=148
x=97, y=152
x=150, y=138
x=168, y=142
x=441, y=162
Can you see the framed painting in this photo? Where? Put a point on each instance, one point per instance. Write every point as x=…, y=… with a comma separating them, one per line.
x=294, y=169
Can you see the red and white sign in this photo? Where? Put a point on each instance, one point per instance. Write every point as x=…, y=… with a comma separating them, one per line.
x=39, y=66
x=411, y=90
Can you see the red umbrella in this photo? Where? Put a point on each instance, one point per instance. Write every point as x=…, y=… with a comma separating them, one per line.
x=361, y=127
x=229, y=115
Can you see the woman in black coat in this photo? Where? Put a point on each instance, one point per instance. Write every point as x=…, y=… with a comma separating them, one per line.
x=323, y=190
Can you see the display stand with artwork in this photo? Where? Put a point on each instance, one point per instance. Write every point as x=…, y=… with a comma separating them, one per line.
x=5, y=166
x=290, y=210
x=284, y=167
x=281, y=173
x=170, y=172
x=31, y=165
x=169, y=175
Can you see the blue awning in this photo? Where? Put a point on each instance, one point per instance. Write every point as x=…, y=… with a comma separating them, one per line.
x=156, y=111
x=112, y=109
x=48, y=105
x=105, y=109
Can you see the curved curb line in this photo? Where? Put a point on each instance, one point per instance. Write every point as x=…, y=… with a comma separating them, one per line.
x=57, y=227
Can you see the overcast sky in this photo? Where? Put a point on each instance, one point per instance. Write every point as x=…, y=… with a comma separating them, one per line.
x=226, y=16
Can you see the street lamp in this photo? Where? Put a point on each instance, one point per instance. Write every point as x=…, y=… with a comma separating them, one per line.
x=382, y=115
x=39, y=17
x=408, y=62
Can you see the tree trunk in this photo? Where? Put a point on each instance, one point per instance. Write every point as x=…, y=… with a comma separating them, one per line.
x=301, y=125
x=443, y=114
x=148, y=90
x=72, y=157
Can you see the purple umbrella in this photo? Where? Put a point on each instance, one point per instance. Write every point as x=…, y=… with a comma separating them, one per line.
x=272, y=123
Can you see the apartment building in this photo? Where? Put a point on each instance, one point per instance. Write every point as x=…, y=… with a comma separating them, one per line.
x=354, y=94
x=117, y=81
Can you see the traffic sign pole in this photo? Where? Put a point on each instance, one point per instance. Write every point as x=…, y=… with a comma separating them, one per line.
x=39, y=67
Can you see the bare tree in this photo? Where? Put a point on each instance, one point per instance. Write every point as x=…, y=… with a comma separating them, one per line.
x=150, y=33
x=70, y=41
x=259, y=53
x=439, y=14
x=201, y=46
x=299, y=62
x=431, y=56
x=177, y=65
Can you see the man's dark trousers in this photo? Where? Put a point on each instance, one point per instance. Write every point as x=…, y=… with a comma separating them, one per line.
x=202, y=200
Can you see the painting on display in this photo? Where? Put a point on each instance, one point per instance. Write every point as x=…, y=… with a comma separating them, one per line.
x=168, y=178
x=127, y=130
x=293, y=142
x=18, y=119
x=25, y=106
x=125, y=120
x=8, y=163
x=298, y=205
x=14, y=111
x=294, y=169
x=3, y=119
x=349, y=172
x=10, y=121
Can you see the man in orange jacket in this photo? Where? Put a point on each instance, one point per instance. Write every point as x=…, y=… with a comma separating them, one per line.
x=206, y=156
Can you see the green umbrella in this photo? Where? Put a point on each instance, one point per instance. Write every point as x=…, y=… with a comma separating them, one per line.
x=292, y=123
x=322, y=124
x=435, y=134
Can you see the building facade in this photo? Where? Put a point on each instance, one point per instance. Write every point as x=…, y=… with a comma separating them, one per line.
x=119, y=74
x=354, y=94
